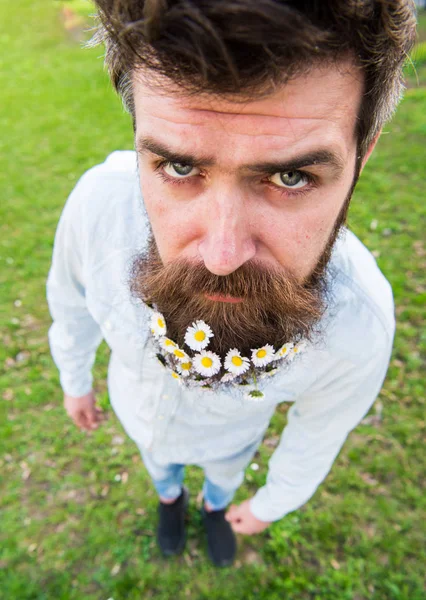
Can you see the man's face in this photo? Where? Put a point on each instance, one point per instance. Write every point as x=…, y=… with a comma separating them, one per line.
x=245, y=201
x=225, y=183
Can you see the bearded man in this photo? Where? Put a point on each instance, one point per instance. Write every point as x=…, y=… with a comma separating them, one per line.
x=214, y=260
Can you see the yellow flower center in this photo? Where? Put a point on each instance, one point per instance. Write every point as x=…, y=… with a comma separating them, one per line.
x=160, y=323
x=179, y=353
x=206, y=362
x=237, y=361
x=169, y=343
x=175, y=375
x=284, y=350
x=185, y=366
x=200, y=336
x=261, y=353
x=295, y=349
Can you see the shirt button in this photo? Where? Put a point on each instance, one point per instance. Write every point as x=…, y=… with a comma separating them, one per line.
x=161, y=417
x=165, y=396
x=107, y=325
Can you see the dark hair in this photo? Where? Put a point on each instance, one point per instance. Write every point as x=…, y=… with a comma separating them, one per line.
x=245, y=48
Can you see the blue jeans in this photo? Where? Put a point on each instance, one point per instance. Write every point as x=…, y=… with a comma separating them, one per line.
x=222, y=477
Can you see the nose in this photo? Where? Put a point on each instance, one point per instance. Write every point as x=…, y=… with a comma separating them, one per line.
x=227, y=241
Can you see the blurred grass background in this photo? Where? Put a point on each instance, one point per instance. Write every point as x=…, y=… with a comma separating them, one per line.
x=78, y=512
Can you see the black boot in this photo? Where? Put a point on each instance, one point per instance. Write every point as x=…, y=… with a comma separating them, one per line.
x=221, y=542
x=171, y=527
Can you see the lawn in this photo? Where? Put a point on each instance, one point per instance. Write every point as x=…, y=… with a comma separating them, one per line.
x=78, y=512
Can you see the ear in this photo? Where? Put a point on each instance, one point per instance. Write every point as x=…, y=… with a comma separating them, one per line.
x=370, y=150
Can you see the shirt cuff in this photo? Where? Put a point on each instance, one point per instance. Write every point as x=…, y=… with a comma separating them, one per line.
x=76, y=387
x=263, y=508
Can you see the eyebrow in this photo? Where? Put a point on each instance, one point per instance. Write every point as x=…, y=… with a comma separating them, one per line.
x=321, y=156
x=148, y=144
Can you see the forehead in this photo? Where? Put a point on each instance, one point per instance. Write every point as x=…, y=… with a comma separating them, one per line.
x=322, y=104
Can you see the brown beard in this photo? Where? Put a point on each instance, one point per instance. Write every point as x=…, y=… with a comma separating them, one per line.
x=276, y=307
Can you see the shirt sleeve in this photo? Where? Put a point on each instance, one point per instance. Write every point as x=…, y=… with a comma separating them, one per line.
x=318, y=425
x=74, y=335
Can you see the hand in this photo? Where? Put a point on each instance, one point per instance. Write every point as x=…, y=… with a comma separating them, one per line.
x=83, y=411
x=243, y=520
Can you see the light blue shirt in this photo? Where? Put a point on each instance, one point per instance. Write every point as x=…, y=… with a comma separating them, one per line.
x=331, y=386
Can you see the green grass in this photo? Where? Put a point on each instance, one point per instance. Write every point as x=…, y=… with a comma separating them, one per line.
x=69, y=530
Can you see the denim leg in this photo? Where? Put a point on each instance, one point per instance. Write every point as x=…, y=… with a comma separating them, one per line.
x=223, y=477
x=167, y=478
x=217, y=497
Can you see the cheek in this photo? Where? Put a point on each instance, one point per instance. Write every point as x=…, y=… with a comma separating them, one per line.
x=296, y=238
x=170, y=224
x=154, y=201
x=292, y=232
x=313, y=230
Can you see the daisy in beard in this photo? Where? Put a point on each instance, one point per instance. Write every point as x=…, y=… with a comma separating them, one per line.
x=207, y=363
x=262, y=356
x=184, y=368
x=235, y=363
x=284, y=350
x=180, y=354
x=197, y=336
x=168, y=345
x=158, y=325
x=297, y=349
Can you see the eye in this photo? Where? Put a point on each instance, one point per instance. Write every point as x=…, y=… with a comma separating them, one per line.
x=179, y=170
x=290, y=179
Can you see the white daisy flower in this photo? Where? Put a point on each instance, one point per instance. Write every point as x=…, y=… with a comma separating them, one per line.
x=207, y=363
x=254, y=395
x=262, y=356
x=235, y=363
x=181, y=355
x=167, y=344
x=197, y=336
x=297, y=349
x=184, y=368
x=158, y=325
x=284, y=350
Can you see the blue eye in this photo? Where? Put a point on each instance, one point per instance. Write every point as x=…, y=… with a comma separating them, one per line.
x=178, y=170
x=290, y=179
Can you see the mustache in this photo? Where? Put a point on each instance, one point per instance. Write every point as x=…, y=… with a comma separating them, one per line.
x=251, y=282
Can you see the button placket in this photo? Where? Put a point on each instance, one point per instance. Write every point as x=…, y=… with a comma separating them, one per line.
x=166, y=408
